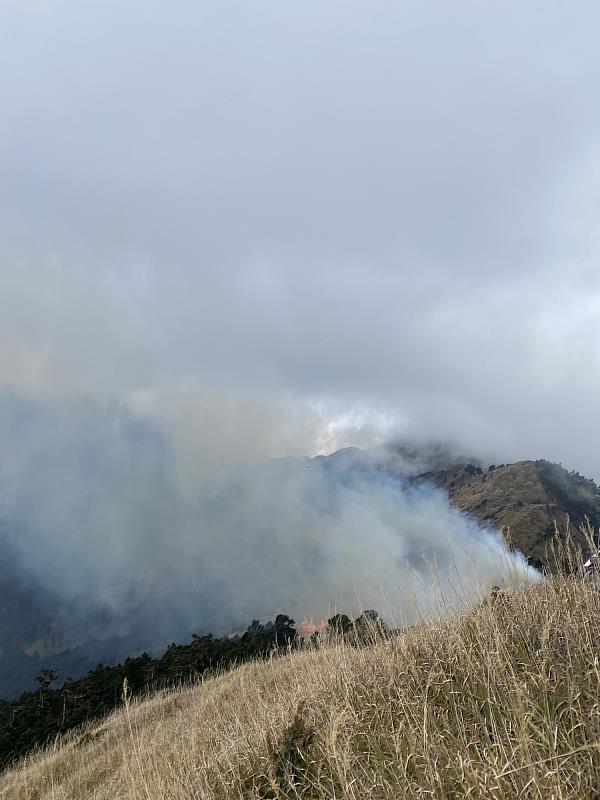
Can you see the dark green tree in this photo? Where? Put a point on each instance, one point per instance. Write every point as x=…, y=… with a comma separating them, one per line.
x=284, y=629
x=340, y=624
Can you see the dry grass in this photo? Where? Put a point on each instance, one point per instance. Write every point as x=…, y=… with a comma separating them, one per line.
x=502, y=702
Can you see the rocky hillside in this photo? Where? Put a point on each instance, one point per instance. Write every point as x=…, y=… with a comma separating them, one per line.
x=524, y=500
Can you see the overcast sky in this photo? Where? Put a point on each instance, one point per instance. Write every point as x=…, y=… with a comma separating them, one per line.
x=278, y=227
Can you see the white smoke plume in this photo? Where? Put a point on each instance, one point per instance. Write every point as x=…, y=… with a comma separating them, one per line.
x=93, y=515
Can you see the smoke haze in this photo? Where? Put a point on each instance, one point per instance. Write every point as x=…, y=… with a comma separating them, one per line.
x=94, y=516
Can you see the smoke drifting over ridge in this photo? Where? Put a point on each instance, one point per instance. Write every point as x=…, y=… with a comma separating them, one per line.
x=94, y=516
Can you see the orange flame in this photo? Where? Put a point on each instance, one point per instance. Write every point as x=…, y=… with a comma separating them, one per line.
x=308, y=626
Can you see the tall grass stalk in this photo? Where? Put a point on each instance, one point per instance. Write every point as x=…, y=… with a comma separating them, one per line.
x=501, y=701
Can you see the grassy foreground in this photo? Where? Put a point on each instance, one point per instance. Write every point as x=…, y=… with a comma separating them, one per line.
x=502, y=702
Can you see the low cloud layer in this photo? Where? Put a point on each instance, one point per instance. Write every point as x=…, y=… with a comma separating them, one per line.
x=281, y=228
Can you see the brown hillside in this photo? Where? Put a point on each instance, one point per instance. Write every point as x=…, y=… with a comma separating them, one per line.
x=498, y=703
x=525, y=501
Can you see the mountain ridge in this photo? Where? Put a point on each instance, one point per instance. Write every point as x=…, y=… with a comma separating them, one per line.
x=528, y=502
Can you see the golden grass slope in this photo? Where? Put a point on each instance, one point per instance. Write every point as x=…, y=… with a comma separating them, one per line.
x=528, y=501
x=502, y=702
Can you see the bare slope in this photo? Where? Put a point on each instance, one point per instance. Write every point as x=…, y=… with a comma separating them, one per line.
x=498, y=703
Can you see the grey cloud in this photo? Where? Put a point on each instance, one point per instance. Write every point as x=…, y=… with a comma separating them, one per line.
x=386, y=211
